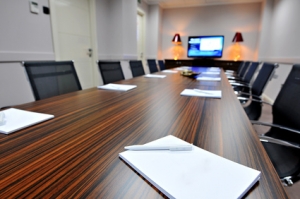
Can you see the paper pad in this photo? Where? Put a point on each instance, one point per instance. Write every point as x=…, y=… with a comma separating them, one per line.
x=191, y=174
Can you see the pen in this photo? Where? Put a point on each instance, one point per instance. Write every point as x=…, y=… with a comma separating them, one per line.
x=165, y=147
x=205, y=92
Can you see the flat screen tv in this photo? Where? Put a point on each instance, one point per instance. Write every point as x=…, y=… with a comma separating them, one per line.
x=205, y=46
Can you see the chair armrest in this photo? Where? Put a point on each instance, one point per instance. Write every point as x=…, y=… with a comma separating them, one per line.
x=254, y=100
x=233, y=77
x=239, y=84
x=249, y=94
x=274, y=125
x=238, y=81
x=277, y=141
x=230, y=73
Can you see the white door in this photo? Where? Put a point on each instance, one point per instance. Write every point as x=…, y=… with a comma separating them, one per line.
x=71, y=28
x=141, y=39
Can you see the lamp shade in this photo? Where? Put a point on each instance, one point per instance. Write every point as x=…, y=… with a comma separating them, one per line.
x=237, y=37
x=176, y=38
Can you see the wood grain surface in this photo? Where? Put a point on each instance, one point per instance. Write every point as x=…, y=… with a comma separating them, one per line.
x=75, y=155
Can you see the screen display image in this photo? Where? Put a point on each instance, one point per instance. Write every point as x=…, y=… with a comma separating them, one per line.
x=205, y=46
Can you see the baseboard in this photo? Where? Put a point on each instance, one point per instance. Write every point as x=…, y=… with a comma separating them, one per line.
x=26, y=56
x=110, y=57
x=117, y=57
x=267, y=99
x=284, y=60
x=130, y=57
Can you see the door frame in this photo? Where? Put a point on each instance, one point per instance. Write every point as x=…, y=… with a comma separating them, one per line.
x=93, y=30
x=142, y=13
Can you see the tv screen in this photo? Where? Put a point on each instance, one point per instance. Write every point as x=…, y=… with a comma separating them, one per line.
x=205, y=46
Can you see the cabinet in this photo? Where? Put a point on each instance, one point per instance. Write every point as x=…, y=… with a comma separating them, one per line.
x=225, y=64
x=170, y=63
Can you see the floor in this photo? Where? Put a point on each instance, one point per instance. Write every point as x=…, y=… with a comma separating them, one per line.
x=293, y=191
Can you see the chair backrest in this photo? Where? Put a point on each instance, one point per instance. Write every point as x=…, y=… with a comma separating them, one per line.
x=244, y=69
x=111, y=71
x=161, y=65
x=240, y=67
x=137, y=68
x=152, y=65
x=286, y=112
x=264, y=75
x=51, y=78
x=286, y=107
x=250, y=72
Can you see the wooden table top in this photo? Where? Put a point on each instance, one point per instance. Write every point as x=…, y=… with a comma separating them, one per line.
x=76, y=153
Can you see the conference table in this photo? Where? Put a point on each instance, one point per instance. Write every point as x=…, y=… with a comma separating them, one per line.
x=76, y=154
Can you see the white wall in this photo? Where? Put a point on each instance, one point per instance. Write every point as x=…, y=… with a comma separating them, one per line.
x=153, y=38
x=27, y=36
x=273, y=87
x=143, y=6
x=117, y=32
x=279, y=40
x=109, y=21
x=129, y=29
x=265, y=27
x=153, y=29
x=102, y=15
x=283, y=36
x=14, y=85
x=23, y=36
x=116, y=29
x=213, y=20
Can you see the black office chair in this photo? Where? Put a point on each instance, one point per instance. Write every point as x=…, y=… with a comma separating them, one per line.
x=137, y=68
x=161, y=65
x=250, y=96
x=282, y=141
x=264, y=75
x=249, y=74
x=245, y=80
x=152, y=65
x=111, y=71
x=51, y=78
x=241, y=73
x=233, y=73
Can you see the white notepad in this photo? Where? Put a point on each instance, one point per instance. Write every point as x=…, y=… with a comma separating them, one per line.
x=211, y=73
x=155, y=76
x=202, y=93
x=118, y=87
x=15, y=119
x=183, y=68
x=214, y=69
x=169, y=71
x=209, y=78
x=191, y=174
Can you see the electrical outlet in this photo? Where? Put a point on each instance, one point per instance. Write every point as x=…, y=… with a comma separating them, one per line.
x=34, y=6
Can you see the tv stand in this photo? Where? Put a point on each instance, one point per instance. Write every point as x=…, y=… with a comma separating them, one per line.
x=225, y=64
x=204, y=62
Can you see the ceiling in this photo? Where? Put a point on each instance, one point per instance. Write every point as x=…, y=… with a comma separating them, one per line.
x=191, y=3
